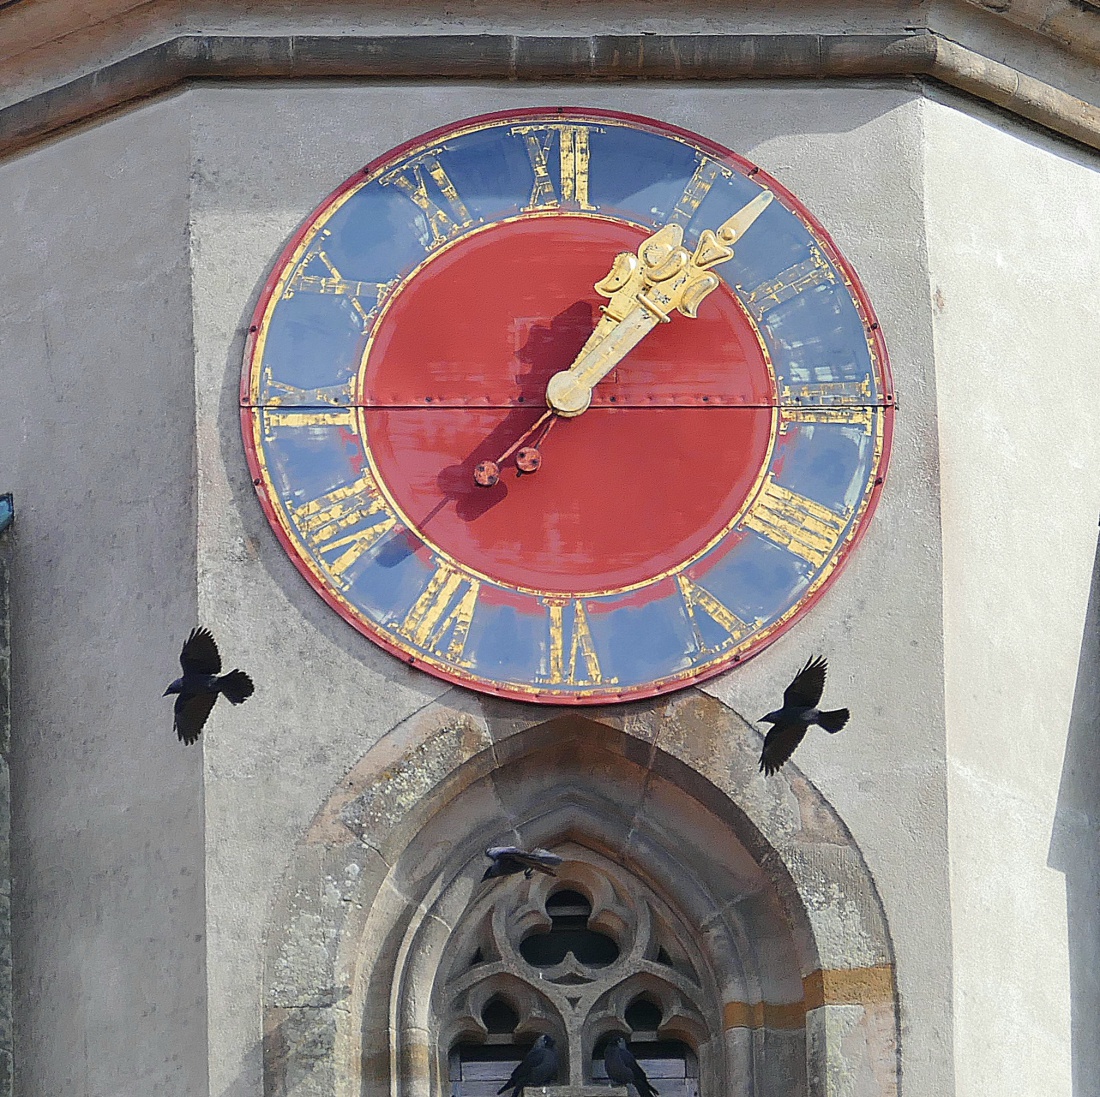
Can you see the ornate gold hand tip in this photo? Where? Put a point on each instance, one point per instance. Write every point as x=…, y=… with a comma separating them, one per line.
x=644, y=289
x=732, y=229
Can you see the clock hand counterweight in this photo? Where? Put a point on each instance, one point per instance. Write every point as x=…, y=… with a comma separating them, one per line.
x=644, y=290
x=528, y=459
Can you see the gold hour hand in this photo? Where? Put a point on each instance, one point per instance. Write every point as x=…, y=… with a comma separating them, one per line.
x=643, y=291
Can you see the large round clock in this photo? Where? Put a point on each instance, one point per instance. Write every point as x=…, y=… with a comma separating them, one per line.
x=566, y=405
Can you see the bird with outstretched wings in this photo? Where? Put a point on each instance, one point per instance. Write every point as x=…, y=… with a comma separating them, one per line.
x=799, y=711
x=508, y=860
x=201, y=683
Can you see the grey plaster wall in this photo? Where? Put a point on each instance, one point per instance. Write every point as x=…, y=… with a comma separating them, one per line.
x=5, y=817
x=1014, y=259
x=144, y=874
x=263, y=159
x=97, y=444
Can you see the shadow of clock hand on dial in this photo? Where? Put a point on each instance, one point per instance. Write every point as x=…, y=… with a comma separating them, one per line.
x=547, y=348
x=456, y=482
x=550, y=344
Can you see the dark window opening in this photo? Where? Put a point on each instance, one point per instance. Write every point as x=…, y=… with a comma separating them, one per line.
x=642, y=1015
x=499, y=1017
x=569, y=912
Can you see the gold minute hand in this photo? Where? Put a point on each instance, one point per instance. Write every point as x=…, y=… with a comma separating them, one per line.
x=644, y=290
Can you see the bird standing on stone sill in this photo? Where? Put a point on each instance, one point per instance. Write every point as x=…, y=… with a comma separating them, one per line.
x=508, y=860
x=539, y=1066
x=201, y=683
x=623, y=1068
x=799, y=711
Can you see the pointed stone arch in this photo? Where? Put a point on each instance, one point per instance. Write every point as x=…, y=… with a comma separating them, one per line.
x=759, y=884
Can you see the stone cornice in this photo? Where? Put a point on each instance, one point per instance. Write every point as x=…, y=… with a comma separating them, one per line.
x=196, y=57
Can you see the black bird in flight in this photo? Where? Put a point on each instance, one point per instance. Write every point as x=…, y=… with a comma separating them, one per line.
x=508, y=860
x=539, y=1066
x=799, y=711
x=623, y=1068
x=201, y=683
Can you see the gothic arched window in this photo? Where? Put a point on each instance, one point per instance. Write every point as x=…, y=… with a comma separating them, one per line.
x=583, y=956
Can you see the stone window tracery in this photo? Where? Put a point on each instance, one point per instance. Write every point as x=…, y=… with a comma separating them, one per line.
x=583, y=956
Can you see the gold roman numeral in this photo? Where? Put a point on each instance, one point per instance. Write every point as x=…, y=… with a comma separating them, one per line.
x=843, y=402
x=845, y=416
x=279, y=394
x=573, y=156
x=801, y=525
x=296, y=418
x=830, y=393
x=568, y=616
x=442, y=614
x=706, y=174
x=445, y=219
x=794, y=280
x=698, y=599
x=344, y=522
x=334, y=283
x=309, y=417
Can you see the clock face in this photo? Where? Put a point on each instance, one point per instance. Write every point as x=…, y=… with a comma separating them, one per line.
x=725, y=465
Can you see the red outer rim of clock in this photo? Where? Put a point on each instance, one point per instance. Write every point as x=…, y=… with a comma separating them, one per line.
x=749, y=169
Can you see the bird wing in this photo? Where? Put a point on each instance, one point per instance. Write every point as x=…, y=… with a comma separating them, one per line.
x=522, y=1073
x=192, y=709
x=200, y=654
x=779, y=745
x=808, y=685
x=541, y=860
x=641, y=1082
x=544, y=1067
x=616, y=1064
x=624, y=1068
x=493, y=852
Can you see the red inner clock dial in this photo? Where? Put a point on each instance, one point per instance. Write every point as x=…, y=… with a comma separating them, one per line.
x=661, y=463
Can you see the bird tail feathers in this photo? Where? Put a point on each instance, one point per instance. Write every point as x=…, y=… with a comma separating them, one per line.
x=833, y=721
x=237, y=686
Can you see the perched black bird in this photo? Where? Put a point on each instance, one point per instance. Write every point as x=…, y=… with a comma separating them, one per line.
x=799, y=711
x=623, y=1068
x=539, y=1066
x=508, y=860
x=200, y=685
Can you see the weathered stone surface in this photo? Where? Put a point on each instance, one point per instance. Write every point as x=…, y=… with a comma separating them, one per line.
x=313, y=908
x=52, y=88
x=387, y=813
x=301, y=1041
x=841, y=904
x=857, y=1063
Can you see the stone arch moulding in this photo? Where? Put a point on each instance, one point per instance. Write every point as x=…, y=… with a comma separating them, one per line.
x=756, y=889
